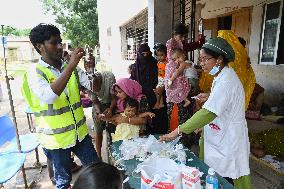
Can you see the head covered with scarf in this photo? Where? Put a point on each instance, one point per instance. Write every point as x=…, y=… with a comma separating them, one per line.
x=131, y=88
x=145, y=72
x=220, y=46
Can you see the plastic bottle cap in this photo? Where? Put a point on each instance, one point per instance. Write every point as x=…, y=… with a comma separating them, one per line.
x=211, y=171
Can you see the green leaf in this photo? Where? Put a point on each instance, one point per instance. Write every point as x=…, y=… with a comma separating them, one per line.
x=77, y=18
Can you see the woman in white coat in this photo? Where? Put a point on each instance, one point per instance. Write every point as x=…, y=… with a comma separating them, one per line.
x=226, y=143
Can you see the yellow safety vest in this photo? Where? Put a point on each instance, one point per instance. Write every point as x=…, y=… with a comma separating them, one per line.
x=58, y=124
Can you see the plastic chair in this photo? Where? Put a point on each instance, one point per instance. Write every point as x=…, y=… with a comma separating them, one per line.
x=8, y=141
x=11, y=161
x=10, y=164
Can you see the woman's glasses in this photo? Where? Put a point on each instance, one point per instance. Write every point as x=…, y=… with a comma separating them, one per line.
x=204, y=60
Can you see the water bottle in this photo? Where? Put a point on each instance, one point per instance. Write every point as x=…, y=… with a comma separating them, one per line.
x=211, y=179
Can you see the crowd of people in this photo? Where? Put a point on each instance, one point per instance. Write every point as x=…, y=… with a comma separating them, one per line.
x=162, y=95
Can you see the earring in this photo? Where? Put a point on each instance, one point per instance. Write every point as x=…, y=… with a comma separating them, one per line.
x=218, y=62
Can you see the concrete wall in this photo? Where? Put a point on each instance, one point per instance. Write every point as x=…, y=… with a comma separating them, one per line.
x=159, y=21
x=214, y=8
x=111, y=15
x=19, y=49
x=151, y=23
x=270, y=77
x=163, y=20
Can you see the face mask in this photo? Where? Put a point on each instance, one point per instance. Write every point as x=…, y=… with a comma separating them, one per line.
x=214, y=70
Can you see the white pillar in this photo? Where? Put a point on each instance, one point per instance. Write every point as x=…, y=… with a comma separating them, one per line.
x=151, y=23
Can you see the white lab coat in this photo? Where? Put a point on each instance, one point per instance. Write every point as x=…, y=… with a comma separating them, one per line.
x=226, y=142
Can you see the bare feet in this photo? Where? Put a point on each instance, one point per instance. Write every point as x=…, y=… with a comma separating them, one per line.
x=186, y=102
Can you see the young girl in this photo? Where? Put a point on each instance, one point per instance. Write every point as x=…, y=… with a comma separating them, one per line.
x=183, y=68
x=161, y=54
x=186, y=68
x=125, y=131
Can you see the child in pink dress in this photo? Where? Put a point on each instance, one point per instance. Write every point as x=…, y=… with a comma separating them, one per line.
x=182, y=66
x=179, y=88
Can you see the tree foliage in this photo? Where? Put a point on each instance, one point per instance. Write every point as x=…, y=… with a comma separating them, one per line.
x=11, y=31
x=78, y=18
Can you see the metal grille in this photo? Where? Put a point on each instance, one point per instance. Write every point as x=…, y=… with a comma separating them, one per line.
x=176, y=13
x=134, y=33
x=184, y=12
x=187, y=12
x=181, y=12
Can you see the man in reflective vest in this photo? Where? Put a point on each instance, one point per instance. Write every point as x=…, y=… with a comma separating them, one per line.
x=51, y=89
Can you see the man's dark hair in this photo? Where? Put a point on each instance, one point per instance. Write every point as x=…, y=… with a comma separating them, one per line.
x=41, y=33
x=130, y=102
x=99, y=176
x=181, y=29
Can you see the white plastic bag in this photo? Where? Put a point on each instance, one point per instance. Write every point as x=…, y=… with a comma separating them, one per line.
x=152, y=144
x=160, y=173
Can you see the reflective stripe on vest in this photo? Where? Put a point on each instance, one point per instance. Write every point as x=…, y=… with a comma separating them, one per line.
x=77, y=77
x=61, y=130
x=62, y=123
x=38, y=71
x=53, y=112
